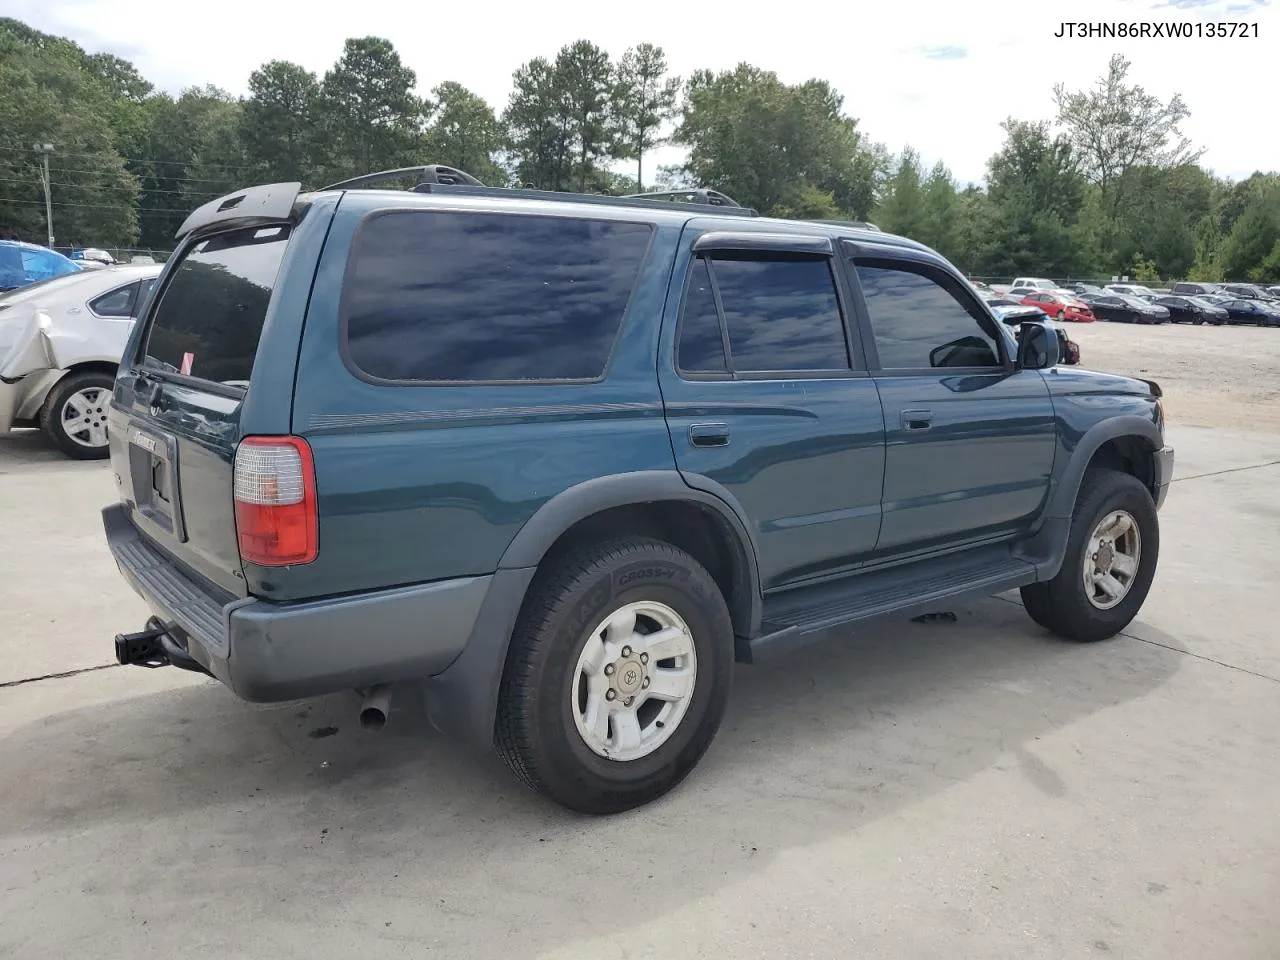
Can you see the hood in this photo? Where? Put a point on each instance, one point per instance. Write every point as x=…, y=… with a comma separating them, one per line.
x=1076, y=379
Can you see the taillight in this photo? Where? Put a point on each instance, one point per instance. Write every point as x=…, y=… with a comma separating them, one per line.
x=277, y=523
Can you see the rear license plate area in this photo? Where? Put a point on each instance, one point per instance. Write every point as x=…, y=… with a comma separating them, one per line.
x=153, y=466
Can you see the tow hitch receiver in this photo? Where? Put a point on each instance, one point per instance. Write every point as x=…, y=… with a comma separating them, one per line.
x=142, y=649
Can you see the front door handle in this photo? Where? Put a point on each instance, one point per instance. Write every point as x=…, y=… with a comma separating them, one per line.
x=917, y=419
x=709, y=434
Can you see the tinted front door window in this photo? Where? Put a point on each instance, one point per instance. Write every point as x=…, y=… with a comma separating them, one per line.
x=919, y=324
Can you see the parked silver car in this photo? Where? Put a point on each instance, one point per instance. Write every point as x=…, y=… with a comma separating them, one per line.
x=60, y=344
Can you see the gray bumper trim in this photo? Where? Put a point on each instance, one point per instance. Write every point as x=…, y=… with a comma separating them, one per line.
x=283, y=651
x=1163, y=474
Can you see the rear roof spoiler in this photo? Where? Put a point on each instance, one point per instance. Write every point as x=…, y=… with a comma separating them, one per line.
x=268, y=202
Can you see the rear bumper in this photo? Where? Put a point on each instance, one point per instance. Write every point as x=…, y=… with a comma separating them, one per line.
x=1163, y=474
x=269, y=652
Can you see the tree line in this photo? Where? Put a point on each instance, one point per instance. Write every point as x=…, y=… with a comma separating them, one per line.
x=1108, y=186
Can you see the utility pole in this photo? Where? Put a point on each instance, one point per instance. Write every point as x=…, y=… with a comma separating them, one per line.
x=45, y=149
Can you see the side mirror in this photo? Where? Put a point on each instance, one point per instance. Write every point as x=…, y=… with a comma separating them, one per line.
x=1038, y=347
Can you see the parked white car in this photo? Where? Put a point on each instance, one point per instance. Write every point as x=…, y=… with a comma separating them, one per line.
x=60, y=343
x=1033, y=283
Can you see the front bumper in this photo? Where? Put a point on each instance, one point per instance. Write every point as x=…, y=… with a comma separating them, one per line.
x=22, y=397
x=10, y=399
x=267, y=652
x=1163, y=462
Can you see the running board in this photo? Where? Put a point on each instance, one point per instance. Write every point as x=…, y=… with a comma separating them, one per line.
x=796, y=618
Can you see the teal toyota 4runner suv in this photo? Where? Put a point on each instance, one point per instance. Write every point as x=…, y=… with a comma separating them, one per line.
x=565, y=459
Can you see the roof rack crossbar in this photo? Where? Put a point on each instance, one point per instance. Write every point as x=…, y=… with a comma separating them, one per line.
x=857, y=224
x=526, y=193
x=703, y=195
x=430, y=173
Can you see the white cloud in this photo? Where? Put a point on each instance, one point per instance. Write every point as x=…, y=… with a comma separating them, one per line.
x=940, y=76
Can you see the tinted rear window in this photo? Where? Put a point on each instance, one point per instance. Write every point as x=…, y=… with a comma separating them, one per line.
x=436, y=296
x=211, y=310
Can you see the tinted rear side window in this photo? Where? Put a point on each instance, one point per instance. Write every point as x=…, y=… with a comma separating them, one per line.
x=436, y=296
x=209, y=317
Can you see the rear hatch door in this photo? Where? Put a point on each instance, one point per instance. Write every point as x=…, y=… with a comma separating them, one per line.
x=176, y=412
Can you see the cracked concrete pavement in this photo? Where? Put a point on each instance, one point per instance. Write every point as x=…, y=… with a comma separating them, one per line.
x=974, y=790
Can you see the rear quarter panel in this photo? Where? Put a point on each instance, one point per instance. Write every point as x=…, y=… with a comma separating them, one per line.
x=421, y=483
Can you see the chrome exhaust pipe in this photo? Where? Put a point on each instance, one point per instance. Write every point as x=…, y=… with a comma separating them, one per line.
x=376, y=706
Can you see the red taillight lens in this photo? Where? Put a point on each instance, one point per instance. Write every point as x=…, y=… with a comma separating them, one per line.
x=277, y=523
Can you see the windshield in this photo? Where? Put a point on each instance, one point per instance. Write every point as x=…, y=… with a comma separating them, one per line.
x=1133, y=301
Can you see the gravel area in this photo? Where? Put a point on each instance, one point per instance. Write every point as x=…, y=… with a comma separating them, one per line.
x=1211, y=376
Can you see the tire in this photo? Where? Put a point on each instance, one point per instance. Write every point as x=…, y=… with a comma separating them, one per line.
x=1063, y=605
x=76, y=389
x=543, y=730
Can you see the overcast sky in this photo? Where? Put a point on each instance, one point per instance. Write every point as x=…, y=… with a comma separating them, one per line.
x=934, y=74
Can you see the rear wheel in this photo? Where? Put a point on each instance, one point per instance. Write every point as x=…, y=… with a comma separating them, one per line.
x=618, y=675
x=1109, y=564
x=74, y=415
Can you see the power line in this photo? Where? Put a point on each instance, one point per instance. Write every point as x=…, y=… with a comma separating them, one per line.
x=90, y=186
x=220, y=166
x=158, y=176
x=101, y=206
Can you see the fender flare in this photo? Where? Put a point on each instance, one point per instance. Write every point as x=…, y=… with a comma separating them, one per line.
x=593, y=496
x=1047, y=548
x=1068, y=486
x=462, y=700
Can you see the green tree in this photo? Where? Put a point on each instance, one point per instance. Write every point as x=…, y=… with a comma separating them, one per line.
x=48, y=95
x=193, y=154
x=644, y=99
x=465, y=134
x=370, y=117
x=1157, y=216
x=584, y=84
x=1117, y=126
x=540, y=130
x=1036, y=192
x=942, y=212
x=903, y=208
x=278, y=122
x=786, y=150
x=1247, y=248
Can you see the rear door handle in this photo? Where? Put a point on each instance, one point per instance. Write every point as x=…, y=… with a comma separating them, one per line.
x=917, y=419
x=709, y=434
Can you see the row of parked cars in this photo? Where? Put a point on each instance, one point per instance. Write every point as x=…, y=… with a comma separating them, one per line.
x=1198, y=303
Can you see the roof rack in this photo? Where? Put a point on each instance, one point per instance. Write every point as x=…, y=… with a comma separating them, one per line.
x=702, y=195
x=431, y=173
x=858, y=224
x=437, y=178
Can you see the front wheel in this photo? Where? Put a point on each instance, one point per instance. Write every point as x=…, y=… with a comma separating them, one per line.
x=74, y=415
x=1109, y=565
x=618, y=675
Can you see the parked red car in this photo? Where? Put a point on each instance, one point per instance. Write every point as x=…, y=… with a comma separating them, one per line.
x=1060, y=307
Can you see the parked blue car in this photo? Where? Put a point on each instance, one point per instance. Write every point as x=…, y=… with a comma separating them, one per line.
x=24, y=263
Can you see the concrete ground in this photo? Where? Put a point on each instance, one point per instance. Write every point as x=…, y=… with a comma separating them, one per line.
x=966, y=790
